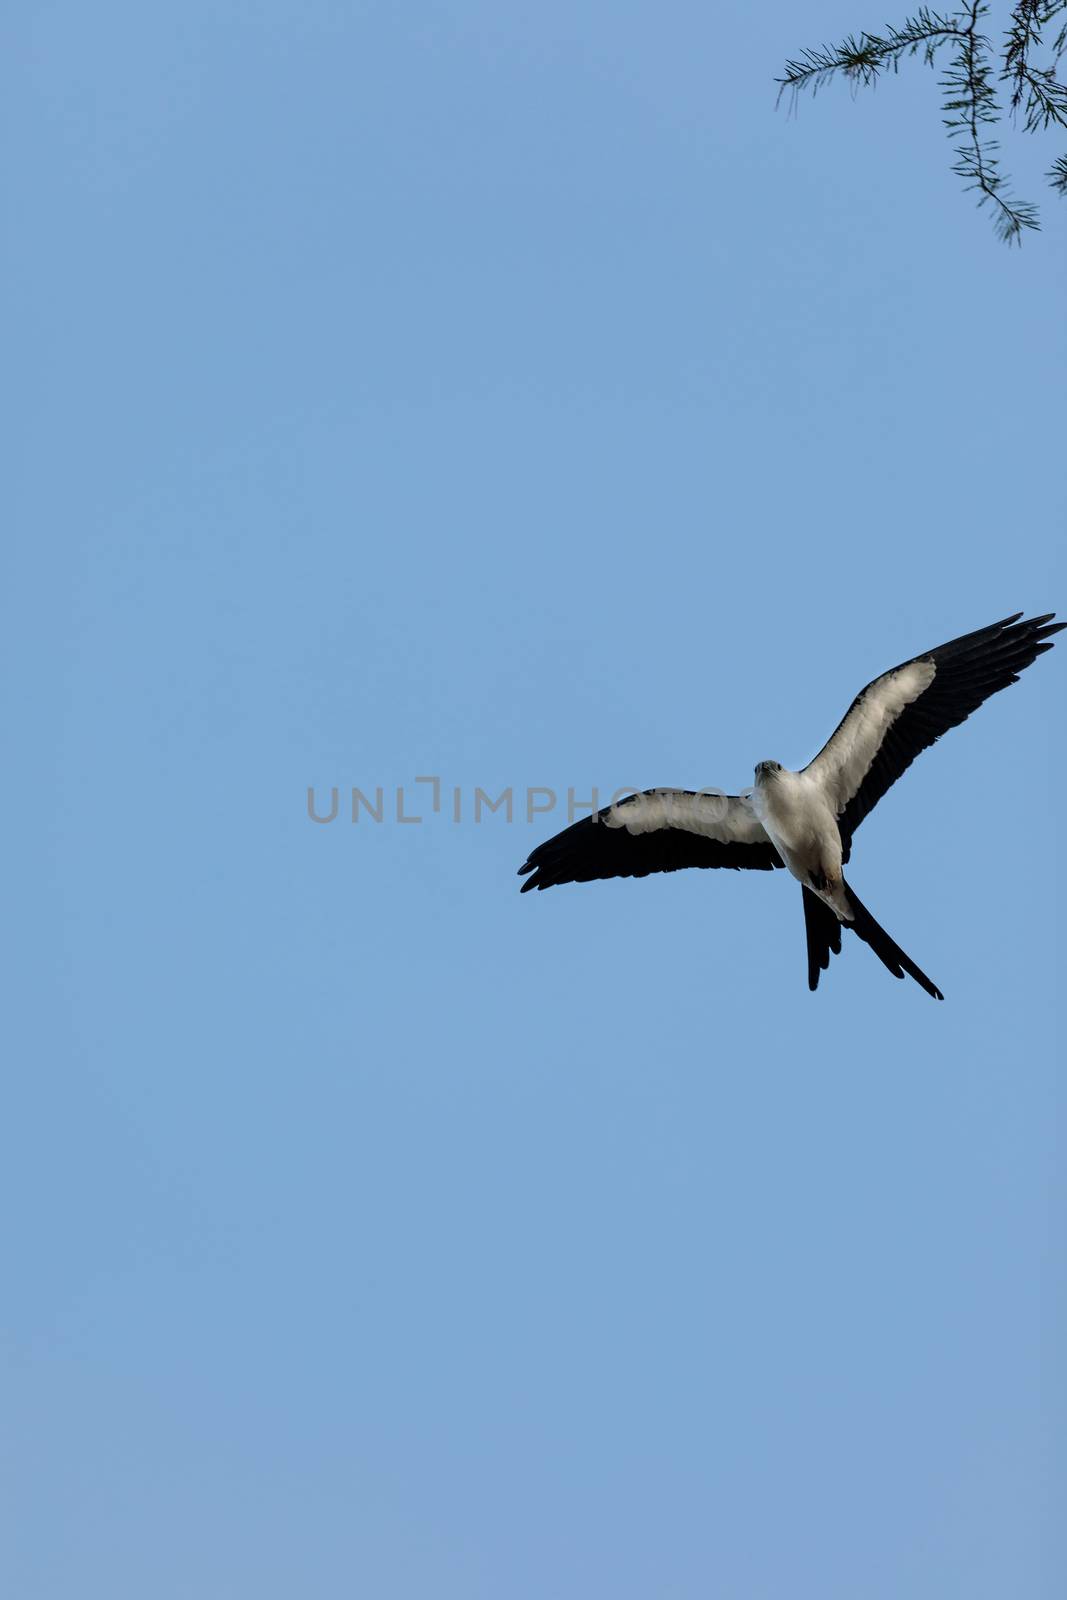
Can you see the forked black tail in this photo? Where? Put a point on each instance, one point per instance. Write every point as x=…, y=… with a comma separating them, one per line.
x=824, y=935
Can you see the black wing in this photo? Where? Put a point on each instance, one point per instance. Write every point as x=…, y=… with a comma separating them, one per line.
x=661, y=830
x=904, y=711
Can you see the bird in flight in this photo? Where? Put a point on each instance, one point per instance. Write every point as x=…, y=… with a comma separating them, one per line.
x=805, y=820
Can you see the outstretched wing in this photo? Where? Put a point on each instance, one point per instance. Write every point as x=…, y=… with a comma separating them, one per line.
x=661, y=830
x=905, y=710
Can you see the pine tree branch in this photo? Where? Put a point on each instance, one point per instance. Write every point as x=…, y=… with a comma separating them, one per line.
x=1059, y=44
x=971, y=105
x=1036, y=89
x=861, y=60
x=970, y=102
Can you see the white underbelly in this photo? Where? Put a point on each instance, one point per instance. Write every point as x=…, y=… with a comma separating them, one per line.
x=802, y=827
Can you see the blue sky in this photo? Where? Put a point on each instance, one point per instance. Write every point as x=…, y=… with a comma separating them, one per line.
x=508, y=393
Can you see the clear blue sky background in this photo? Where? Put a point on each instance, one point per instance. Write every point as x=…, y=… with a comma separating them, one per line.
x=506, y=392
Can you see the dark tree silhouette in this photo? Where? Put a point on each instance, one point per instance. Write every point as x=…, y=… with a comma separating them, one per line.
x=978, y=85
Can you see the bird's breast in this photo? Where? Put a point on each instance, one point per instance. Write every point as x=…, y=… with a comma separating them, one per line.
x=796, y=817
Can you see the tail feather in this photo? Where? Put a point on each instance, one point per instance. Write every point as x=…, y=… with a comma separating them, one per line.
x=824, y=937
x=886, y=949
x=824, y=934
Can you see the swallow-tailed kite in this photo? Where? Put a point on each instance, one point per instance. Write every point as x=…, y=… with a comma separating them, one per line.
x=805, y=820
